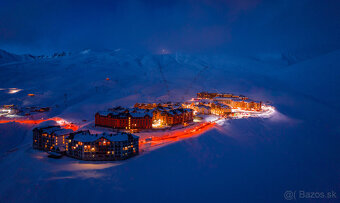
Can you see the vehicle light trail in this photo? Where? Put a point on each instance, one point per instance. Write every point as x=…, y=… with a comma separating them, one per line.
x=62, y=122
x=171, y=137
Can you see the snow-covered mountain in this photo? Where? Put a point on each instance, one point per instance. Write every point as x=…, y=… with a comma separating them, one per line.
x=296, y=149
x=6, y=57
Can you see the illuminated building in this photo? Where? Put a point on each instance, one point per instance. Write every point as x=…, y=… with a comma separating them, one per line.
x=220, y=109
x=178, y=116
x=207, y=95
x=157, y=105
x=161, y=114
x=102, y=147
x=172, y=115
x=146, y=105
x=242, y=103
x=51, y=138
x=124, y=118
x=202, y=109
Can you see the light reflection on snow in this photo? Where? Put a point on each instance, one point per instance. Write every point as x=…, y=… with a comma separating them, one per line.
x=266, y=112
x=76, y=169
x=84, y=166
x=80, y=175
x=221, y=122
x=13, y=90
x=64, y=123
x=211, y=118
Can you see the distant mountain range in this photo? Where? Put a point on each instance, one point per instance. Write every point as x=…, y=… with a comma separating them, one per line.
x=6, y=57
x=286, y=57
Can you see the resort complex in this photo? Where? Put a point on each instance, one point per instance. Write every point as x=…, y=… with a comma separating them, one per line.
x=122, y=144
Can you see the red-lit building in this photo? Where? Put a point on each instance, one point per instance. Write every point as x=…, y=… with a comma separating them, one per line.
x=121, y=118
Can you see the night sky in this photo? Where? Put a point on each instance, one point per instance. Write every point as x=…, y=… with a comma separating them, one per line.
x=206, y=26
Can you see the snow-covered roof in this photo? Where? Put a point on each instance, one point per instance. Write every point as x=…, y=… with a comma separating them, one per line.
x=225, y=106
x=127, y=112
x=223, y=98
x=250, y=100
x=238, y=100
x=49, y=129
x=203, y=106
x=56, y=130
x=63, y=132
x=48, y=123
x=87, y=137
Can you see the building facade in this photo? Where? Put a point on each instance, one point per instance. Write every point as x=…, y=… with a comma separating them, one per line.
x=202, y=109
x=102, y=147
x=172, y=116
x=220, y=109
x=241, y=103
x=51, y=138
x=121, y=118
x=207, y=95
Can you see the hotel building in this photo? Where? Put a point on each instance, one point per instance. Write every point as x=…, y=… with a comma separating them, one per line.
x=102, y=147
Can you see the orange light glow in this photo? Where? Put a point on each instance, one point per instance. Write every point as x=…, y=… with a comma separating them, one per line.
x=177, y=136
x=63, y=123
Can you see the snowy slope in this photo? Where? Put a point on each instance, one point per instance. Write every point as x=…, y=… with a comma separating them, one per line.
x=78, y=81
x=251, y=160
x=6, y=57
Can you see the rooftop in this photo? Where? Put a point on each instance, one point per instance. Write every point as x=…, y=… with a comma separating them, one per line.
x=127, y=112
x=57, y=130
x=86, y=136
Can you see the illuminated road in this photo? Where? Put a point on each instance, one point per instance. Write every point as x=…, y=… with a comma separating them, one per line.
x=62, y=122
x=149, y=141
x=152, y=142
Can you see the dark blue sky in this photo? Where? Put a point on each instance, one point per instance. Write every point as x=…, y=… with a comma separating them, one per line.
x=32, y=26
